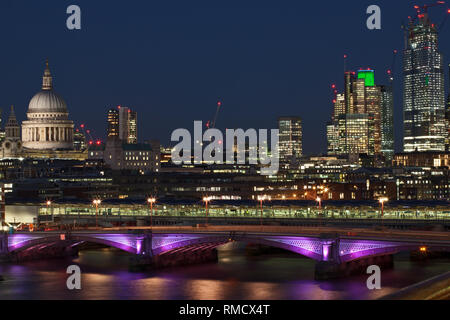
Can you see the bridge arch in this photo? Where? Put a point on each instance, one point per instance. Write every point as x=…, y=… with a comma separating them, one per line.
x=23, y=242
x=310, y=248
x=352, y=250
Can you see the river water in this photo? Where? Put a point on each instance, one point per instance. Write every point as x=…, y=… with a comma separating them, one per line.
x=236, y=276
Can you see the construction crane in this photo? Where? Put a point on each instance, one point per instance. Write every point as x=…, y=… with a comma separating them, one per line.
x=423, y=10
x=425, y=7
x=219, y=105
x=391, y=71
x=87, y=133
x=445, y=20
x=212, y=124
x=334, y=93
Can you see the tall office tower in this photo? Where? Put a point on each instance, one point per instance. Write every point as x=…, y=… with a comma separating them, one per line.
x=113, y=123
x=424, y=100
x=349, y=78
x=387, y=122
x=132, y=127
x=127, y=125
x=368, y=101
x=290, y=138
x=332, y=138
x=2, y=132
x=447, y=119
x=356, y=119
x=356, y=133
x=339, y=107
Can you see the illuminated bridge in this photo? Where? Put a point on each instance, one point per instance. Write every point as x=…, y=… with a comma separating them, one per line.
x=335, y=253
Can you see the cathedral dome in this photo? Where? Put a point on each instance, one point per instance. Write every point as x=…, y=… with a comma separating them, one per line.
x=47, y=101
x=48, y=126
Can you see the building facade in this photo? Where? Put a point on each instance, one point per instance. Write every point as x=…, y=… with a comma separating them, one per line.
x=387, y=122
x=424, y=100
x=356, y=126
x=113, y=123
x=119, y=155
x=290, y=138
x=447, y=119
x=422, y=159
x=128, y=125
x=79, y=140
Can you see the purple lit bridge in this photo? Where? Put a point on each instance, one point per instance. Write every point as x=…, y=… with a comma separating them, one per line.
x=334, y=255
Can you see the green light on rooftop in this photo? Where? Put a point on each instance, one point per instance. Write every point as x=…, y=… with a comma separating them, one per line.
x=369, y=76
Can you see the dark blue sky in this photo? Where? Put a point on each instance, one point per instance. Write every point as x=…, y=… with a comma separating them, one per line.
x=171, y=60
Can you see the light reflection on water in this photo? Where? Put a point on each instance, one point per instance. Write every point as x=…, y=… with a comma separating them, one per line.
x=287, y=276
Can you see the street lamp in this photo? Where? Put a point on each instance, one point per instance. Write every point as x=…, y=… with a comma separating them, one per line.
x=96, y=202
x=206, y=200
x=261, y=199
x=48, y=203
x=382, y=201
x=151, y=201
x=319, y=201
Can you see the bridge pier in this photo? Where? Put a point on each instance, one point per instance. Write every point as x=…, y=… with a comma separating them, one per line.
x=146, y=260
x=144, y=253
x=331, y=266
x=4, y=252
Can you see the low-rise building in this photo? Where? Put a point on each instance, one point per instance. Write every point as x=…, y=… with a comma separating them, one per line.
x=123, y=156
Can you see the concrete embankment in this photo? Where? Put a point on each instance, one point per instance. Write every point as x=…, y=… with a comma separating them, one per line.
x=436, y=288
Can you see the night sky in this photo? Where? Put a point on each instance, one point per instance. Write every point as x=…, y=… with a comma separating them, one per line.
x=172, y=60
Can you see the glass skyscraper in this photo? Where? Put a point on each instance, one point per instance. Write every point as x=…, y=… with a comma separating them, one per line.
x=447, y=119
x=290, y=138
x=357, y=116
x=127, y=125
x=113, y=123
x=424, y=96
x=387, y=122
x=122, y=123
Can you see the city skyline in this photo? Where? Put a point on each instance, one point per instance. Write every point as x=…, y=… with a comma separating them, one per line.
x=200, y=104
x=210, y=151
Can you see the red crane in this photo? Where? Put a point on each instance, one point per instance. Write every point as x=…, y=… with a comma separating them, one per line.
x=422, y=11
x=212, y=123
x=390, y=72
x=426, y=6
x=219, y=104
